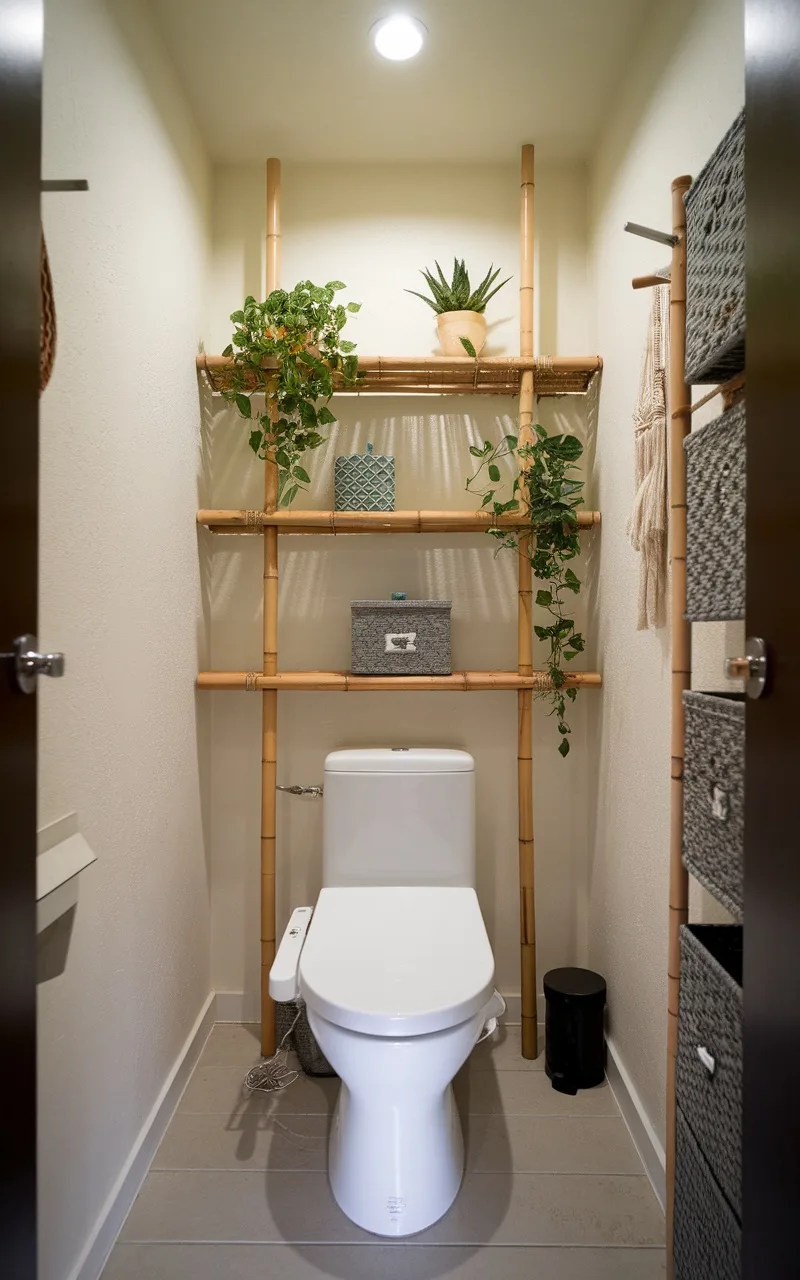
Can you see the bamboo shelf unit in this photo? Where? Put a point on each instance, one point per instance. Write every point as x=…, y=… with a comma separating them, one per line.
x=254, y=522
x=526, y=376
x=450, y=375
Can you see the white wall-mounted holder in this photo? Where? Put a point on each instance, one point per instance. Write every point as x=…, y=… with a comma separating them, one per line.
x=62, y=853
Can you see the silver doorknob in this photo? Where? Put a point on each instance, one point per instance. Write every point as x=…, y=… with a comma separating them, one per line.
x=752, y=668
x=29, y=663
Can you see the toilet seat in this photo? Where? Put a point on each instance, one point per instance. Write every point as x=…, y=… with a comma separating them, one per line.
x=400, y=961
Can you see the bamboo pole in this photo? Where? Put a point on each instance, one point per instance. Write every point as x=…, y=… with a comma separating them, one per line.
x=680, y=424
x=446, y=364
x=269, y=712
x=530, y=1035
x=297, y=521
x=345, y=682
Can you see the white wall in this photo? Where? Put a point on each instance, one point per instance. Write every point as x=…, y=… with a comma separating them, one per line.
x=374, y=227
x=122, y=738
x=684, y=88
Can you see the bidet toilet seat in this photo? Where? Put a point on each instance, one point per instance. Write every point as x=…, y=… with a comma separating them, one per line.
x=400, y=961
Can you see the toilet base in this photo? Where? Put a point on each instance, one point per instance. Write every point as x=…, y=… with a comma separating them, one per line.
x=395, y=1171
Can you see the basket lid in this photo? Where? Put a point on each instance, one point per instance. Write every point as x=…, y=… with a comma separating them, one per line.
x=401, y=604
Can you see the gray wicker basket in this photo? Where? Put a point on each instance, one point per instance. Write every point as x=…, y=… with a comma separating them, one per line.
x=713, y=795
x=715, y=264
x=707, y=1234
x=401, y=637
x=716, y=477
x=300, y=1038
x=709, y=1065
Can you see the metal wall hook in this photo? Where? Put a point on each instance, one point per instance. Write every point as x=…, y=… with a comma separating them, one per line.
x=296, y=790
x=649, y=233
x=65, y=184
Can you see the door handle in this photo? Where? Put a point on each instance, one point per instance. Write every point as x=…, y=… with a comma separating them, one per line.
x=29, y=663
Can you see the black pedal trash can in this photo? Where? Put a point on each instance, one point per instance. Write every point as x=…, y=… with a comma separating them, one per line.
x=574, y=1043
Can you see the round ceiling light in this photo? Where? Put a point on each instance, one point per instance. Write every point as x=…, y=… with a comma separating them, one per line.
x=399, y=37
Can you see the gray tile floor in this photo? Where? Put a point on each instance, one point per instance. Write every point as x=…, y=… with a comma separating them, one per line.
x=553, y=1190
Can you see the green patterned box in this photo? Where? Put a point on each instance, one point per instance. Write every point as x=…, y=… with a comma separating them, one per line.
x=364, y=482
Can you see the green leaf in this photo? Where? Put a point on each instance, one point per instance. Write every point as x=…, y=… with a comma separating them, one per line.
x=542, y=632
x=243, y=405
x=255, y=440
x=228, y=350
x=494, y=473
x=354, y=307
x=347, y=347
x=487, y=498
x=569, y=654
x=475, y=451
x=303, y=475
x=564, y=728
x=324, y=416
x=468, y=347
x=544, y=598
x=336, y=285
x=563, y=747
x=571, y=694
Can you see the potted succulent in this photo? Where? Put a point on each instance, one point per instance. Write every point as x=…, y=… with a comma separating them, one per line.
x=459, y=308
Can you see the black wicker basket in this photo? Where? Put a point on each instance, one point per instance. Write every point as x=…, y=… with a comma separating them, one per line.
x=713, y=795
x=716, y=480
x=300, y=1038
x=707, y=1234
x=709, y=1065
x=715, y=264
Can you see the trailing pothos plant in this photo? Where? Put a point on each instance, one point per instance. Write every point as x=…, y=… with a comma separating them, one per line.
x=547, y=496
x=301, y=331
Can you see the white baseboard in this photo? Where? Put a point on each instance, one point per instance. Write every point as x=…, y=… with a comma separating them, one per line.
x=645, y=1138
x=123, y=1193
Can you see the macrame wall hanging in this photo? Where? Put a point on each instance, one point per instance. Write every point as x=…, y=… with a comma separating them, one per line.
x=47, y=343
x=647, y=528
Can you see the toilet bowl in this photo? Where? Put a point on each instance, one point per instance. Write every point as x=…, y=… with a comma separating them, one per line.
x=396, y=983
x=397, y=974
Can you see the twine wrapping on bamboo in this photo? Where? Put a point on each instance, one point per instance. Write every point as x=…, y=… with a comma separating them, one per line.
x=647, y=527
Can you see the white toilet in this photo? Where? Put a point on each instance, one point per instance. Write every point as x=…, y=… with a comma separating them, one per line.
x=397, y=974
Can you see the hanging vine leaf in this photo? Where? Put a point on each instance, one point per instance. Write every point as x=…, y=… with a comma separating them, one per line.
x=548, y=498
x=301, y=330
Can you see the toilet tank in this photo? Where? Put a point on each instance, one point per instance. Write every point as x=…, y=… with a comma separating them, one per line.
x=399, y=816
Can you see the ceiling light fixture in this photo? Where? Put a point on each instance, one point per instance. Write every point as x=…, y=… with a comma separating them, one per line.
x=399, y=37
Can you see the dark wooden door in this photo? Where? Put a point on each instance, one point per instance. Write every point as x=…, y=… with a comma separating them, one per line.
x=772, y=823
x=20, y=160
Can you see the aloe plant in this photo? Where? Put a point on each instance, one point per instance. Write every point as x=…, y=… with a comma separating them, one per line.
x=459, y=295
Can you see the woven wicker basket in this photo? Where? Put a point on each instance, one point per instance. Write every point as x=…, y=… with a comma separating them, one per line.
x=301, y=1038
x=715, y=264
x=707, y=1234
x=401, y=637
x=713, y=795
x=709, y=1065
x=716, y=477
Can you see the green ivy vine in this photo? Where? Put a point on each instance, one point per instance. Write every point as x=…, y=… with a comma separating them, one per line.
x=548, y=498
x=301, y=330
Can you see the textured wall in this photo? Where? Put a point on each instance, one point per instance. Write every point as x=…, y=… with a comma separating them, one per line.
x=122, y=738
x=684, y=89
x=373, y=227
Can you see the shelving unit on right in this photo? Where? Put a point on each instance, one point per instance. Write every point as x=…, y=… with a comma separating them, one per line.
x=704, y=1055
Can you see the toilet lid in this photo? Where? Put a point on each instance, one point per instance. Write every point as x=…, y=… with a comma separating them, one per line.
x=397, y=961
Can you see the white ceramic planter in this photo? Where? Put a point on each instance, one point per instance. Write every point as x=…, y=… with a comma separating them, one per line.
x=455, y=325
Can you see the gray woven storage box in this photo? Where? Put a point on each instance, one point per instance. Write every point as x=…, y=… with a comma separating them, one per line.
x=706, y=1232
x=401, y=637
x=715, y=264
x=709, y=1066
x=713, y=795
x=363, y=482
x=301, y=1038
x=716, y=478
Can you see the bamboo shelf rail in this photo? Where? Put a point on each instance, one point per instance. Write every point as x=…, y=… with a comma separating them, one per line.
x=679, y=427
x=526, y=376
x=451, y=375
x=345, y=682
x=294, y=521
